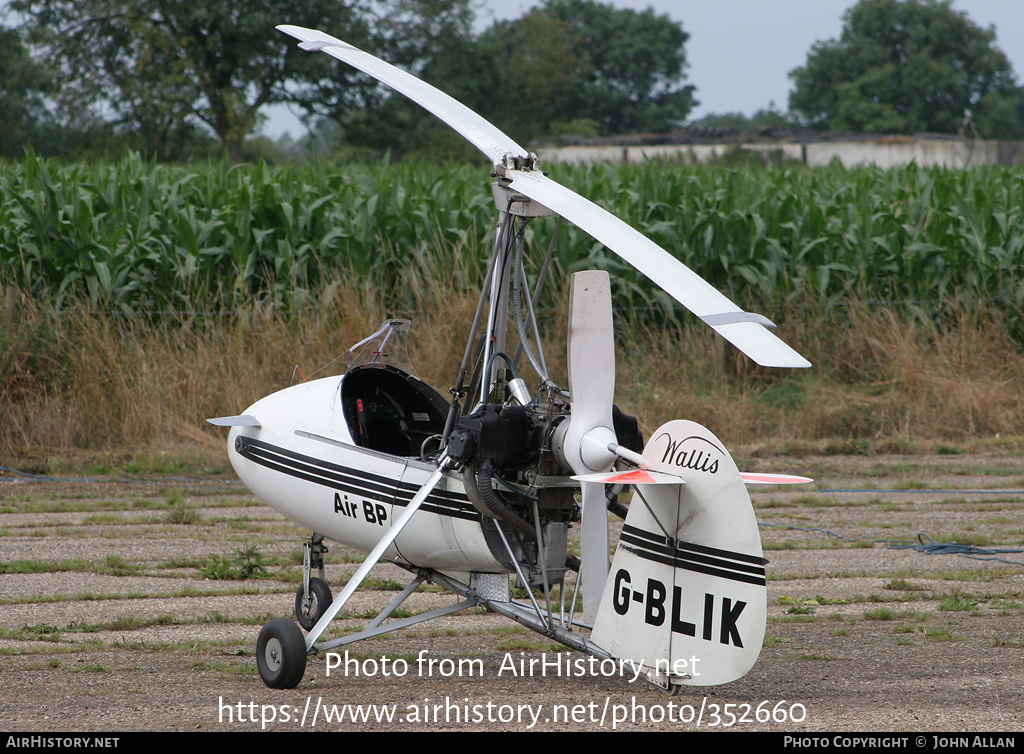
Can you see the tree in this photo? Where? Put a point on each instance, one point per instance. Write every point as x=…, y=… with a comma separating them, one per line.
x=433, y=39
x=907, y=66
x=159, y=66
x=23, y=86
x=768, y=117
x=578, y=60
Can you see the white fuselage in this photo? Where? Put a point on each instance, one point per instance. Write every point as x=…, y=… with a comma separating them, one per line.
x=303, y=461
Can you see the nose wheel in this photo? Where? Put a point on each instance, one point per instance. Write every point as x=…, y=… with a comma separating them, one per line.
x=310, y=608
x=281, y=654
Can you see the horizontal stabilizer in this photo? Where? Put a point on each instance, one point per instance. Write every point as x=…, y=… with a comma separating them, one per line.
x=636, y=476
x=649, y=476
x=245, y=420
x=753, y=478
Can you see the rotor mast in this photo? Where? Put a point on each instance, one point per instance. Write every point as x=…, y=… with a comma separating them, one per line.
x=510, y=205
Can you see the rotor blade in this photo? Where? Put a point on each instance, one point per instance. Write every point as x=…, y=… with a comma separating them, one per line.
x=743, y=329
x=486, y=137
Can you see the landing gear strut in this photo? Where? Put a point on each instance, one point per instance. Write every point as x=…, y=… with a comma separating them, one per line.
x=314, y=595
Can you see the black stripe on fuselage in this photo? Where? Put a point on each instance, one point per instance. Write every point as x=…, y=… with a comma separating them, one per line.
x=352, y=481
x=725, y=564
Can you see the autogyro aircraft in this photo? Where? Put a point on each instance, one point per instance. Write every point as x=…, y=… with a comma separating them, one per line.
x=466, y=492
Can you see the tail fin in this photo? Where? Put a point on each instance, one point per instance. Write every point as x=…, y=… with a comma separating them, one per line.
x=686, y=595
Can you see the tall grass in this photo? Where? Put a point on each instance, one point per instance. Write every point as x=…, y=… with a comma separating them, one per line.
x=135, y=236
x=87, y=379
x=139, y=237
x=141, y=299
x=916, y=238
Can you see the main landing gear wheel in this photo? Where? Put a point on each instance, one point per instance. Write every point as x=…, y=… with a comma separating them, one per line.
x=281, y=654
x=319, y=600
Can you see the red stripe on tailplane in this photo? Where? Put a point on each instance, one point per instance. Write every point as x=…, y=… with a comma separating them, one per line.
x=753, y=478
x=636, y=476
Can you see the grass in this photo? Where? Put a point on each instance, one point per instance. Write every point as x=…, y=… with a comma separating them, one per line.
x=246, y=564
x=227, y=668
x=957, y=601
x=880, y=613
x=1006, y=606
x=87, y=501
x=799, y=618
x=801, y=610
x=902, y=584
x=1016, y=643
x=75, y=377
x=113, y=565
x=43, y=632
x=940, y=634
x=185, y=591
x=127, y=623
x=178, y=510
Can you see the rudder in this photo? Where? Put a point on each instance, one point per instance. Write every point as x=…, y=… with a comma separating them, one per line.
x=686, y=595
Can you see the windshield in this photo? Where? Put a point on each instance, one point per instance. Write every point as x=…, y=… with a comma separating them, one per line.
x=386, y=346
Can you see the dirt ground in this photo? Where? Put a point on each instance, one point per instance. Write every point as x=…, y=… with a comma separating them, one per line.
x=112, y=617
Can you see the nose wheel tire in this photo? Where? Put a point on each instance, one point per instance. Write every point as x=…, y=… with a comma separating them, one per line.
x=319, y=600
x=281, y=654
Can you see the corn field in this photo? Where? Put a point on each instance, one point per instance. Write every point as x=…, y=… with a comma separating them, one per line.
x=141, y=298
x=139, y=237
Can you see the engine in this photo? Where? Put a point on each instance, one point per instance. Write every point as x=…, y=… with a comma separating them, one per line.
x=513, y=472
